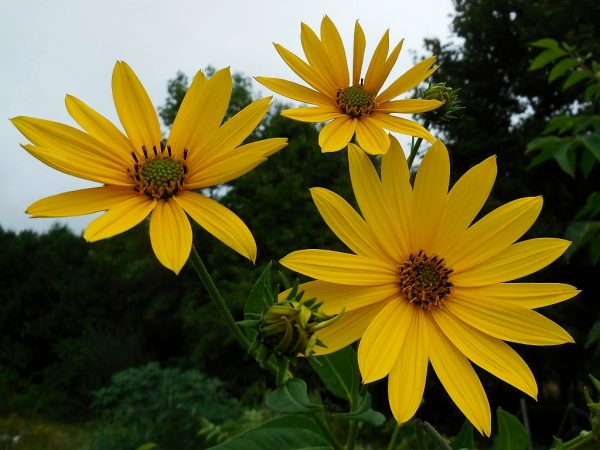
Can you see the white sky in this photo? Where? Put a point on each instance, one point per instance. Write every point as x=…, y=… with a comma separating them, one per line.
x=53, y=47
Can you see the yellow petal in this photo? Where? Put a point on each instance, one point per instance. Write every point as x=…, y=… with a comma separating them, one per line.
x=395, y=180
x=332, y=42
x=79, y=165
x=401, y=125
x=339, y=297
x=219, y=221
x=408, y=80
x=84, y=201
x=372, y=138
x=460, y=380
x=493, y=233
x=295, y=91
x=317, y=58
x=379, y=347
x=99, y=127
x=346, y=223
x=305, y=72
x=170, y=235
x=134, y=108
x=314, y=114
x=406, y=382
x=372, y=202
x=341, y=268
x=337, y=134
x=526, y=295
x=429, y=197
x=385, y=70
x=374, y=72
x=346, y=330
x=505, y=321
x=464, y=201
x=409, y=106
x=358, y=54
x=487, y=352
x=516, y=261
x=201, y=114
x=120, y=218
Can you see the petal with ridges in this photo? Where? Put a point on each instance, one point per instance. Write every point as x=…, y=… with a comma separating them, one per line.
x=122, y=217
x=341, y=268
x=338, y=297
x=464, y=201
x=401, y=125
x=460, y=380
x=527, y=295
x=493, y=233
x=408, y=80
x=295, y=91
x=517, y=261
x=99, y=127
x=487, y=352
x=358, y=54
x=134, y=108
x=314, y=114
x=384, y=71
x=348, y=329
x=505, y=321
x=219, y=221
x=406, y=382
x=429, y=197
x=337, y=134
x=335, y=50
x=375, y=69
x=409, y=106
x=381, y=341
x=81, y=202
x=372, y=138
x=317, y=57
x=346, y=223
x=170, y=235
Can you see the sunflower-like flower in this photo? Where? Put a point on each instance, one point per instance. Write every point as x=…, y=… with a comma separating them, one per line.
x=426, y=285
x=358, y=107
x=142, y=174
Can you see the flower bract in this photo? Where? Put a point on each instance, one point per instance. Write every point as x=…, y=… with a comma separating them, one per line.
x=352, y=104
x=141, y=174
x=424, y=285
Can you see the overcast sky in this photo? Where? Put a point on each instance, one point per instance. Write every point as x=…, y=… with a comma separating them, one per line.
x=53, y=47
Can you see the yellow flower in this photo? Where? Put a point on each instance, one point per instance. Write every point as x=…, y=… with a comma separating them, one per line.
x=424, y=285
x=358, y=107
x=142, y=174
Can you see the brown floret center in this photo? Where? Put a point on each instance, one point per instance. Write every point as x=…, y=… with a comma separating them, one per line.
x=424, y=280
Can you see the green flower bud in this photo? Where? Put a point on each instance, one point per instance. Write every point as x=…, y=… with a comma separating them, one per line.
x=446, y=95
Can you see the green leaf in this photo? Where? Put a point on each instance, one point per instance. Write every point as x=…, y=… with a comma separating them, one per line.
x=292, y=397
x=364, y=412
x=596, y=249
x=546, y=43
x=588, y=160
x=464, y=439
x=591, y=208
x=581, y=232
x=292, y=432
x=338, y=371
x=565, y=157
x=561, y=68
x=592, y=92
x=592, y=143
x=546, y=57
x=543, y=143
x=593, y=335
x=257, y=303
x=511, y=433
x=561, y=123
x=147, y=446
x=575, y=78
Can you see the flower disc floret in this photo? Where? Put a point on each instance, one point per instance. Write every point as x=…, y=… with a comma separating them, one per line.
x=160, y=178
x=355, y=101
x=424, y=280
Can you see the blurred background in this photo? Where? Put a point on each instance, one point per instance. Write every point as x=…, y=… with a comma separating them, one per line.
x=103, y=348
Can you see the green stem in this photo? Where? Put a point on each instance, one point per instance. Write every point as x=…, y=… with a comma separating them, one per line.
x=415, y=148
x=420, y=436
x=282, y=371
x=217, y=299
x=394, y=437
x=325, y=429
x=441, y=442
x=586, y=440
x=353, y=428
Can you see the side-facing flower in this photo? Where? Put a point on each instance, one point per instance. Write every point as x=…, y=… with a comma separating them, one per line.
x=142, y=174
x=424, y=285
x=354, y=105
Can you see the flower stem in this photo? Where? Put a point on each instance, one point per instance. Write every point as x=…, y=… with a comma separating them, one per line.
x=415, y=148
x=217, y=299
x=586, y=440
x=441, y=442
x=353, y=428
x=394, y=438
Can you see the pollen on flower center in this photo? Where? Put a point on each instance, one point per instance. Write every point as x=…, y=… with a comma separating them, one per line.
x=424, y=280
x=355, y=101
x=158, y=174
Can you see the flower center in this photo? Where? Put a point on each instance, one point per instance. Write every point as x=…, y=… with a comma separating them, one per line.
x=355, y=101
x=424, y=280
x=158, y=175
